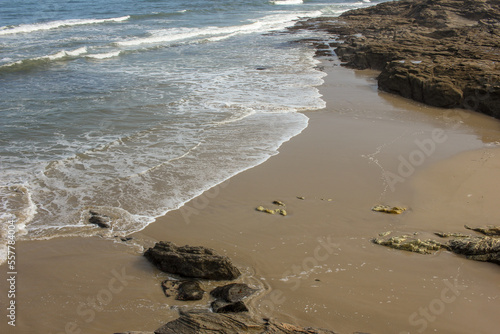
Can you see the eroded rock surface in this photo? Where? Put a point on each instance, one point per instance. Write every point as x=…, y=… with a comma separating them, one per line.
x=485, y=249
x=200, y=322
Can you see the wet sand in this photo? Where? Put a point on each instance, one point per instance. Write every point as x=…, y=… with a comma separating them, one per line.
x=316, y=266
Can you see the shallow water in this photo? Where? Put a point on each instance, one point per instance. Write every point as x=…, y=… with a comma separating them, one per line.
x=132, y=108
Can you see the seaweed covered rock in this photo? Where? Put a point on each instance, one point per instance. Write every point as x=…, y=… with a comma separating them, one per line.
x=389, y=209
x=193, y=262
x=486, y=248
x=410, y=243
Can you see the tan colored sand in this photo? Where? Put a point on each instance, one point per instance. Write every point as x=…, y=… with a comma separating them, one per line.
x=316, y=266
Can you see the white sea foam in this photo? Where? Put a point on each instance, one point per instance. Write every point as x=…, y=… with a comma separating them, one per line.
x=29, y=28
x=17, y=209
x=104, y=55
x=287, y=2
x=43, y=59
x=213, y=33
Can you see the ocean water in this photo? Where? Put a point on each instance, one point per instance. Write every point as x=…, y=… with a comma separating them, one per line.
x=131, y=108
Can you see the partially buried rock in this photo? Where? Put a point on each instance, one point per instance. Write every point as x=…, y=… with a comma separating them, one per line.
x=488, y=230
x=271, y=211
x=193, y=262
x=454, y=235
x=389, y=209
x=232, y=292
x=280, y=203
x=100, y=220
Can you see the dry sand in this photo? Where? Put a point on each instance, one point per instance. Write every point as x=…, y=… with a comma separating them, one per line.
x=316, y=266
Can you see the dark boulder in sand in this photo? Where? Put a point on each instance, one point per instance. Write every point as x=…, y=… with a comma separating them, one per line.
x=191, y=261
x=202, y=322
x=100, y=220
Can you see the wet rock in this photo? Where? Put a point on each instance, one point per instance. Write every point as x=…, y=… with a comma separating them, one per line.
x=183, y=290
x=488, y=230
x=190, y=290
x=202, y=322
x=193, y=262
x=485, y=249
x=125, y=239
x=100, y=220
x=220, y=306
x=410, y=243
x=232, y=292
x=389, y=209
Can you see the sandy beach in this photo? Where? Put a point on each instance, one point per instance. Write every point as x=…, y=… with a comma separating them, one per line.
x=316, y=266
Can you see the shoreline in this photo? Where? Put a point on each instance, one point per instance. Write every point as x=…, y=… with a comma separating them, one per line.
x=352, y=285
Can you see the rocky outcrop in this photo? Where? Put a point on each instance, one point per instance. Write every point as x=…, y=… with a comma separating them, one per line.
x=485, y=248
x=443, y=53
x=192, y=262
x=230, y=315
x=202, y=322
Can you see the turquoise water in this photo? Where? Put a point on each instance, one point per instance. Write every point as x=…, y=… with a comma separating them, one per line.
x=132, y=108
